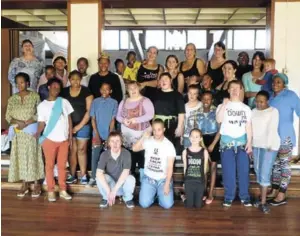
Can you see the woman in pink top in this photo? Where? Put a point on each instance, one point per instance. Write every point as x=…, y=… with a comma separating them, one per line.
x=135, y=114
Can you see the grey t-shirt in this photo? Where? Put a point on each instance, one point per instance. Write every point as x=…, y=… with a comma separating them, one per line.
x=114, y=167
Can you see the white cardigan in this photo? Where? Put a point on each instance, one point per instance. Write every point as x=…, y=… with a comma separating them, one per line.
x=265, y=128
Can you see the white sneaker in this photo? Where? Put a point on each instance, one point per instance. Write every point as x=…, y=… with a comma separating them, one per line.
x=65, y=195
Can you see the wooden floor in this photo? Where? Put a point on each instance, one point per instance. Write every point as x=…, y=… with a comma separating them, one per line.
x=82, y=217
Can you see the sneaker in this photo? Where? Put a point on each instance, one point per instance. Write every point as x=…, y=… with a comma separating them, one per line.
x=92, y=182
x=246, y=203
x=275, y=203
x=256, y=203
x=65, y=195
x=264, y=208
x=227, y=203
x=51, y=197
x=71, y=179
x=130, y=204
x=103, y=203
x=84, y=180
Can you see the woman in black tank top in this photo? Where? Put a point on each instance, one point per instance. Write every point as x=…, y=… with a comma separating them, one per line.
x=217, y=61
x=195, y=161
x=177, y=77
x=192, y=68
x=148, y=73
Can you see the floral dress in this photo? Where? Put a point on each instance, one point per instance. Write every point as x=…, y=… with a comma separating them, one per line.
x=33, y=68
x=26, y=161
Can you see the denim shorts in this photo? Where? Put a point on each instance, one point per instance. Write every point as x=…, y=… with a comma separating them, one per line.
x=84, y=133
x=263, y=163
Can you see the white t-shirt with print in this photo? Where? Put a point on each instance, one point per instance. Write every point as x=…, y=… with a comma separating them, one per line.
x=236, y=116
x=61, y=130
x=157, y=154
x=189, y=119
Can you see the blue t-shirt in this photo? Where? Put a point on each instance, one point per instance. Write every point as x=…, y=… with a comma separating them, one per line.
x=104, y=110
x=250, y=86
x=286, y=102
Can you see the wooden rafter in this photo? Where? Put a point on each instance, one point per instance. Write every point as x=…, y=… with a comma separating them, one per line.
x=135, y=21
x=229, y=18
x=260, y=18
x=198, y=14
x=43, y=18
x=164, y=16
x=63, y=11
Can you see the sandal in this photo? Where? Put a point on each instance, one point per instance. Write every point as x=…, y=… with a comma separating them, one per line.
x=23, y=191
x=209, y=201
x=36, y=191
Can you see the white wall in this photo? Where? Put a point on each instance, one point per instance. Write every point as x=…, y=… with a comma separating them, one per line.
x=287, y=46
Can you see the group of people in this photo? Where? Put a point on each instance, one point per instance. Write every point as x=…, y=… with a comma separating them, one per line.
x=143, y=116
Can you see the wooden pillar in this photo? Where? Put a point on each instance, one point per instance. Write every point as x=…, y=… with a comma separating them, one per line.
x=85, y=28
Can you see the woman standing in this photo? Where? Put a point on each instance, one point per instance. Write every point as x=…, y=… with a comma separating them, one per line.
x=81, y=99
x=28, y=64
x=26, y=162
x=135, y=114
x=253, y=80
x=148, y=73
x=215, y=65
x=266, y=142
x=177, y=77
x=286, y=102
x=229, y=69
x=169, y=107
x=192, y=68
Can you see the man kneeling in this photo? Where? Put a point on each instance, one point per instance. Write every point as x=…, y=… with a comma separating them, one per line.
x=113, y=177
x=159, y=160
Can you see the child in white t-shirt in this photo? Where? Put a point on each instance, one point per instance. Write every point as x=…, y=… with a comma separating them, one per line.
x=159, y=160
x=235, y=144
x=56, y=124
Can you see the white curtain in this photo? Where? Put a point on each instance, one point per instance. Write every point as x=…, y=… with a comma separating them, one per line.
x=55, y=48
x=38, y=44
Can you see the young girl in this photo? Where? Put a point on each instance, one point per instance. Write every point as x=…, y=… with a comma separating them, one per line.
x=266, y=142
x=195, y=161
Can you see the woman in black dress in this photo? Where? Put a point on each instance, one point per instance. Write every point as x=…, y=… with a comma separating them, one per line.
x=172, y=64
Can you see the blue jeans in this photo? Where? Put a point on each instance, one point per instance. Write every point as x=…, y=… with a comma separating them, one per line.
x=96, y=152
x=150, y=187
x=263, y=165
x=235, y=163
x=126, y=190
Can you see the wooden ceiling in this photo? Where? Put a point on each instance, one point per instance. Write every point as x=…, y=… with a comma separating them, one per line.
x=139, y=17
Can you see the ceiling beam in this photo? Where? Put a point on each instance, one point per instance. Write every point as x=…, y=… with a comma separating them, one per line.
x=229, y=18
x=260, y=18
x=164, y=16
x=63, y=11
x=198, y=14
x=40, y=17
x=135, y=21
x=106, y=21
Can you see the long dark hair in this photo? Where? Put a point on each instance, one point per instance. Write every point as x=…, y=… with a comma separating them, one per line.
x=220, y=44
x=261, y=56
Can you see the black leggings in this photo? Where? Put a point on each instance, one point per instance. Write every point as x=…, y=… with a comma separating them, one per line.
x=194, y=193
x=139, y=158
x=171, y=126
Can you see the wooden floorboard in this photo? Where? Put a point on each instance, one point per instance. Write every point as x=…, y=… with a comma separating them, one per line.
x=81, y=216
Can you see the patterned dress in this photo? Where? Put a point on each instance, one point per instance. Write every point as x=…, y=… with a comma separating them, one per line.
x=33, y=68
x=26, y=154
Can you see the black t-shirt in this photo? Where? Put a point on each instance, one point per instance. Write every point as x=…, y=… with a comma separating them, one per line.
x=195, y=166
x=97, y=80
x=168, y=103
x=242, y=70
x=78, y=103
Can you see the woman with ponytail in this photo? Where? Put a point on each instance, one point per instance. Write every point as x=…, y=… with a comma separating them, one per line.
x=195, y=161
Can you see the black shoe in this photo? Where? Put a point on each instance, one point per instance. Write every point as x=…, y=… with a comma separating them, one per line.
x=264, y=208
x=275, y=203
x=130, y=204
x=103, y=203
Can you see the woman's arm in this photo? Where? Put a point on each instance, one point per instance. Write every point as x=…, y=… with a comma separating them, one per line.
x=180, y=83
x=180, y=125
x=206, y=158
x=119, y=116
x=86, y=118
x=201, y=67
x=184, y=160
x=221, y=111
x=249, y=137
x=152, y=83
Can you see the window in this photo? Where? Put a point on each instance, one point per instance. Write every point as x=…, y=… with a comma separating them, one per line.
x=136, y=35
x=111, y=40
x=155, y=38
x=244, y=39
x=124, y=39
x=175, y=39
x=260, y=41
x=197, y=37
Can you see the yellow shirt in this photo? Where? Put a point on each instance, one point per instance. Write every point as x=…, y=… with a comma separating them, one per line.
x=131, y=73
